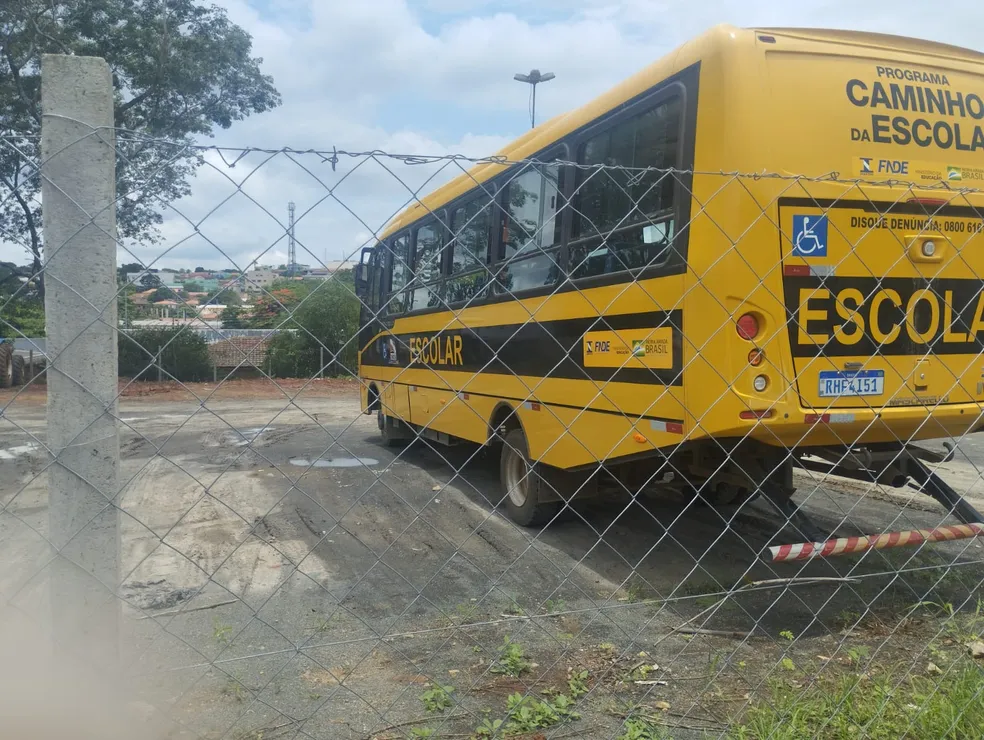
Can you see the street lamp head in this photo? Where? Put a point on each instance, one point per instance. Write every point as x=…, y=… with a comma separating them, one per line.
x=534, y=77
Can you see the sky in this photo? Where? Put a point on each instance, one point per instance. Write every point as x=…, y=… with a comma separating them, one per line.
x=435, y=77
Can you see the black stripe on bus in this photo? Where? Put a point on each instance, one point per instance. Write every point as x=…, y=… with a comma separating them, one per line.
x=540, y=349
x=907, y=208
x=613, y=412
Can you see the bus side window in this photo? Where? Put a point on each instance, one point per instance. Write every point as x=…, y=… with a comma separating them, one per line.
x=470, y=229
x=624, y=217
x=398, y=272
x=532, y=234
x=425, y=289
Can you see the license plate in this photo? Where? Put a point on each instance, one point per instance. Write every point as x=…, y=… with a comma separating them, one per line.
x=834, y=383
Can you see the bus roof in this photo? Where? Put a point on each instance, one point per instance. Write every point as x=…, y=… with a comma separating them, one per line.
x=702, y=47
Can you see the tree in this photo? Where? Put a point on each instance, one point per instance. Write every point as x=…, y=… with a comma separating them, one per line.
x=161, y=294
x=231, y=317
x=150, y=281
x=224, y=297
x=326, y=325
x=183, y=355
x=130, y=268
x=21, y=310
x=274, y=306
x=200, y=269
x=194, y=287
x=180, y=68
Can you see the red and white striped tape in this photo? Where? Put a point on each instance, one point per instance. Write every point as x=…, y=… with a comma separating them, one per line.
x=850, y=545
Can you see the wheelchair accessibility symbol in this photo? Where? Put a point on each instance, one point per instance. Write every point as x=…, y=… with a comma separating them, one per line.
x=809, y=236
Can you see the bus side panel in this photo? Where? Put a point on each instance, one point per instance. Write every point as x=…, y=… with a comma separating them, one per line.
x=396, y=400
x=450, y=411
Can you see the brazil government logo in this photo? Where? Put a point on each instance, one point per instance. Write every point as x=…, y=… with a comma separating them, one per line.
x=953, y=173
x=638, y=348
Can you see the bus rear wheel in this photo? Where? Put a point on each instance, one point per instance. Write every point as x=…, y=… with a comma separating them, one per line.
x=522, y=486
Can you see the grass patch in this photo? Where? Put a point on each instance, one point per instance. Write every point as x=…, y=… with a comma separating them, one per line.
x=879, y=706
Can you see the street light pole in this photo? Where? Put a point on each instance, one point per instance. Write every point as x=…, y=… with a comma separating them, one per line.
x=533, y=79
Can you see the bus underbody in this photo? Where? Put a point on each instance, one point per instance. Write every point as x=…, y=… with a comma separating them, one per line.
x=731, y=473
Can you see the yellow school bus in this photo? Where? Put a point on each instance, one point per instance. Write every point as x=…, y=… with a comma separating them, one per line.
x=762, y=251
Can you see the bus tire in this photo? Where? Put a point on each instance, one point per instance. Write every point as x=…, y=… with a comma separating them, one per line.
x=17, y=370
x=522, y=495
x=390, y=429
x=6, y=364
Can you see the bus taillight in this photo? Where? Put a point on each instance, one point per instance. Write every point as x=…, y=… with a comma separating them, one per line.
x=748, y=327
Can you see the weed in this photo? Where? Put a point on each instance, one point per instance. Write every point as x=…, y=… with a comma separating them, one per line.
x=554, y=605
x=526, y=714
x=489, y=728
x=639, y=728
x=327, y=623
x=419, y=732
x=607, y=647
x=221, y=633
x=234, y=687
x=635, y=591
x=437, y=698
x=577, y=684
x=858, y=653
x=877, y=705
x=466, y=611
x=787, y=635
x=512, y=661
x=788, y=664
x=846, y=619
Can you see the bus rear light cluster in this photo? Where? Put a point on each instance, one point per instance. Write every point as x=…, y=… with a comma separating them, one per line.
x=748, y=326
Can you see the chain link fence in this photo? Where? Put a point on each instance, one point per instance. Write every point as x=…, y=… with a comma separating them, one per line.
x=327, y=541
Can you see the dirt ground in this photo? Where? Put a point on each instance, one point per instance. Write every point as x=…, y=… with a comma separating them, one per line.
x=287, y=575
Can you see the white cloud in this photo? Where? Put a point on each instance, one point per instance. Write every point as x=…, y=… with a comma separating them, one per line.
x=433, y=77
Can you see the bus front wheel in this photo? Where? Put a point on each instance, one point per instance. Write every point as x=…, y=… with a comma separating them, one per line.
x=521, y=484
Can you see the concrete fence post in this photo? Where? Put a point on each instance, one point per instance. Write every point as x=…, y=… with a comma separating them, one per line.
x=78, y=173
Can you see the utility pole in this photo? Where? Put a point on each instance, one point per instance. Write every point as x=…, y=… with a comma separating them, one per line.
x=533, y=79
x=291, y=242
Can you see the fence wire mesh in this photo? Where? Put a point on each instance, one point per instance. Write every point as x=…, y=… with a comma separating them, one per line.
x=523, y=480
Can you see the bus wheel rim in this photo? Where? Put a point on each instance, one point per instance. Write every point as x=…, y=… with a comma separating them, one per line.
x=517, y=479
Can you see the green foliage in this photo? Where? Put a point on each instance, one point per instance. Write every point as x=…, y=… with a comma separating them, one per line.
x=641, y=728
x=437, y=698
x=527, y=714
x=489, y=728
x=231, y=317
x=577, y=684
x=150, y=281
x=273, y=307
x=512, y=661
x=554, y=605
x=224, y=297
x=161, y=294
x=221, y=633
x=21, y=316
x=326, y=324
x=179, y=69
x=184, y=355
x=194, y=287
x=879, y=706
x=418, y=732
